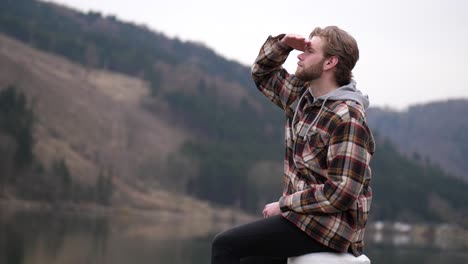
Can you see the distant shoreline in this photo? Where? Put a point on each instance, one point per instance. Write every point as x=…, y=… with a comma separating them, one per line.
x=27, y=205
x=221, y=216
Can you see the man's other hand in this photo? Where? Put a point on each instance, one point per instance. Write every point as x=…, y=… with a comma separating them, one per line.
x=271, y=209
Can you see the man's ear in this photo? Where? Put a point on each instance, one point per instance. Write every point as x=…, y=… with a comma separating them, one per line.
x=330, y=62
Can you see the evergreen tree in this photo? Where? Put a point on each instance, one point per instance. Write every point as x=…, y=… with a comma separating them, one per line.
x=17, y=120
x=62, y=178
x=104, y=188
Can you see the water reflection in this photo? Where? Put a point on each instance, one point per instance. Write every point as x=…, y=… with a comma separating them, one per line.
x=416, y=244
x=46, y=237
x=435, y=236
x=42, y=237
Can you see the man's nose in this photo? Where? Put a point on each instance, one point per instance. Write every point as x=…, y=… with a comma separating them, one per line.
x=300, y=57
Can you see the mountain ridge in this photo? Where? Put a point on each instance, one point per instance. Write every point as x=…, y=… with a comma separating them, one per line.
x=423, y=128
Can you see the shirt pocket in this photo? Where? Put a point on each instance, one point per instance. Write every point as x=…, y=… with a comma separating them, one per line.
x=315, y=150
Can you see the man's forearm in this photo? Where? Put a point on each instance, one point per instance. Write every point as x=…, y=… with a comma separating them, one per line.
x=271, y=78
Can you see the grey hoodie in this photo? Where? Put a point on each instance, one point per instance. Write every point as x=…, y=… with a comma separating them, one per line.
x=346, y=92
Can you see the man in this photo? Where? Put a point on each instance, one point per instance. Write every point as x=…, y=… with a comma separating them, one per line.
x=327, y=194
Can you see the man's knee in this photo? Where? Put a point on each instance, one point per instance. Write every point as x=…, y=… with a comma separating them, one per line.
x=222, y=248
x=220, y=241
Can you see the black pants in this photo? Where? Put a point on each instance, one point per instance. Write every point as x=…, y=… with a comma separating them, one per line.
x=271, y=240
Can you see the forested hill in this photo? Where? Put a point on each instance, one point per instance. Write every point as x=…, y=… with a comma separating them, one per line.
x=123, y=113
x=437, y=131
x=107, y=43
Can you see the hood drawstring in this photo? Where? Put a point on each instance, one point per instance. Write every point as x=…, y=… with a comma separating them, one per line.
x=295, y=114
x=304, y=132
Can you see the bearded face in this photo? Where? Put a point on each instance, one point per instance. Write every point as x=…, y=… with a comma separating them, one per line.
x=311, y=61
x=310, y=72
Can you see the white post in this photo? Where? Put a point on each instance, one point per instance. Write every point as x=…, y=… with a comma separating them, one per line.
x=329, y=258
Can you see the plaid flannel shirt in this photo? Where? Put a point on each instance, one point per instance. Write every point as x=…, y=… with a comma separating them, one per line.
x=327, y=176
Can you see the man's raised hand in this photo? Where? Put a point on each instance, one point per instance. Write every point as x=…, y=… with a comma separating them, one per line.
x=295, y=41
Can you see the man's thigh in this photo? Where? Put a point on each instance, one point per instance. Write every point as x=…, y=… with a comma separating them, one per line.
x=275, y=238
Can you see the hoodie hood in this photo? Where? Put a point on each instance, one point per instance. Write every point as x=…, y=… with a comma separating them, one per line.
x=347, y=92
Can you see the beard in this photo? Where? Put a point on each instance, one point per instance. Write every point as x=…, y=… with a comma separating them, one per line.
x=310, y=73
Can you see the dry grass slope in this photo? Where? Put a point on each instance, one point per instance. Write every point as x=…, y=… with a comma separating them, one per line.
x=94, y=120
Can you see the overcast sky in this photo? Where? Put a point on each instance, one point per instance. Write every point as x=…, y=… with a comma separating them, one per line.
x=410, y=51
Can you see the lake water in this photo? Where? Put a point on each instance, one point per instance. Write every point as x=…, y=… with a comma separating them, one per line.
x=41, y=237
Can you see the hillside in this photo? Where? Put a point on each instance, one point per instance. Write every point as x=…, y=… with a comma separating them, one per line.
x=411, y=189
x=93, y=120
x=169, y=122
x=436, y=131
